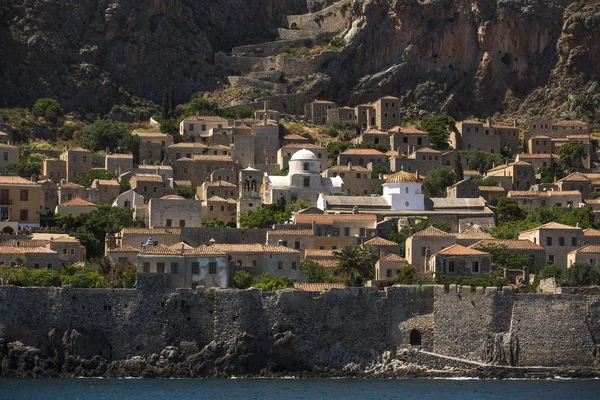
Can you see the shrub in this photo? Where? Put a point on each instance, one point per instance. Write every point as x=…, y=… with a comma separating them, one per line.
x=49, y=109
x=242, y=280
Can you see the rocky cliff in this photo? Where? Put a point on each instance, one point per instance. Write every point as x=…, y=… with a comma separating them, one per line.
x=462, y=57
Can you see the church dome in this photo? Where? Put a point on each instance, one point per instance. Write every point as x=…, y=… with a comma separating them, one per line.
x=402, y=177
x=303, y=155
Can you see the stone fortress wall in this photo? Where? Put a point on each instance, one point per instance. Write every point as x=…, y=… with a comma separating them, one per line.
x=298, y=330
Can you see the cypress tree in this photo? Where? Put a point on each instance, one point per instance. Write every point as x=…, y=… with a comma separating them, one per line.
x=458, y=169
x=171, y=103
x=164, y=112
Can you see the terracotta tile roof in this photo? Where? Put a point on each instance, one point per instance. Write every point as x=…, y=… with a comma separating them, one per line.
x=25, y=243
x=294, y=137
x=291, y=232
x=378, y=241
x=253, y=248
x=302, y=146
x=413, y=131
x=70, y=185
x=366, y=152
x=540, y=137
x=328, y=263
x=591, y=232
x=491, y=189
x=309, y=253
x=432, y=232
x=533, y=156
x=15, y=180
x=177, y=246
x=458, y=250
x=569, y=123
x=124, y=249
x=185, y=145
x=205, y=251
x=509, y=243
x=77, y=202
x=552, y=225
x=180, y=183
x=590, y=248
x=503, y=126
x=426, y=150
x=318, y=287
x=575, y=176
x=129, y=155
x=172, y=197
x=470, y=121
x=148, y=178
x=373, y=131
x=393, y=258
x=151, y=169
x=206, y=118
x=8, y=146
x=342, y=168
x=210, y=157
x=107, y=182
x=10, y=250
x=38, y=250
x=160, y=250
x=474, y=233
x=151, y=231
x=79, y=149
x=221, y=184
x=150, y=134
x=323, y=102
x=331, y=218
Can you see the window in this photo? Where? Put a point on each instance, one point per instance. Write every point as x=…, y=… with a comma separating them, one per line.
x=160, y=268
x=72, y=251
x=405, y=140
x=182, y=223
x=451, y=266
x=358, y=176
x=574, y=242
x=293, y=265
x=84, y=158
x=592, y=261
x=191, y=127
x=279, y=265
x=551, y=258
x=346, y=231
x=36, y=266
x=548, y=241
x=388, y=273
x=212, y=268
x=254, y=263
x=423, y=251
x=155, y=243
x=169, y=222
x=297, y=245
x=475, y=266
x=49, y=265
x=319, y=231
x=24, y=215
x=195, y=268
x=64, y=251
x=336, y=232
x=74, y=158
x=122, y=259
x=5, y=156
x=24, y=195
x=561, y=241
x=211, y=208
x=306, y=182
x=362, y=232
x=284, y=243
x=174, y=268
x=203, y=127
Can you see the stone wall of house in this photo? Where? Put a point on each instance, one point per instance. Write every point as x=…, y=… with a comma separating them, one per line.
x=198, y=236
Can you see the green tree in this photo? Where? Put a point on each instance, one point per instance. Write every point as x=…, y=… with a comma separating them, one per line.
x=482, y=161
x=438, y=180
x=270, y=282
x=186, y=192
x=215, y=223
x=84, y=279
x=379, y=170
x=439, y=128
x=407, y=276
x=553, y=172
x=164, y=110
x=572, y=154
x=49, y=109
x=458, y=168
x=171, y=103
x=104, y=133
x=269, y=214
x=508, y=209
x=91, y=175
x=481, y=181
x=355, y=263
x=242, y=280
x=24, y=168
x=317, y=273
x=505, y=258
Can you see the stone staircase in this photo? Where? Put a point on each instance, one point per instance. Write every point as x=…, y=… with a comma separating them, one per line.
x=280, y=67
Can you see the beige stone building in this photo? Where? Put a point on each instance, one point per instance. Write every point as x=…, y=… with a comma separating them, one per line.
x=509, y=136
x=202, y=126
x=20, y=201
x=539, y=145
x=521, y=173
x=216, y=207
x=387, y=112
x=588, y=254
x=361, y=157
x=173, y=211
x=374, y=136
x=55, y=170
x=474, y=135
x=285, y=153
x=302, y=240
x=529, y=198
x=341, y=114
x=123, y=255
x=338, y=229
x=591, y=236
x=78, y=161
x=463, y=189
x=75, y=206
x=365, y=116
x=472, y=236
x=204, y=165
x=49, y=192
x=492, y=193
x=545, y=127
x=118, y=163
x=537, y=161
x=29, y=257
x=153, y=146
x=387, y=267
x=294, y=139
x=382, y=246
x=357, y=179
x=557, y=239
x=149, y=186
x=185, y=150
x=266, y=142
x=67, y=191
x=222, y=189
x=316, y=112
x=138, y=237
x=9, y=154
x=421, y=245
x=261, y=115
x=535, y=252
x=422, y=160
x=108, y=190
x=68, y=249
x=458, y=260
x=407, y=140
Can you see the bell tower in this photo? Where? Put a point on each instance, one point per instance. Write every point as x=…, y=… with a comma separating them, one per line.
x=250, y=184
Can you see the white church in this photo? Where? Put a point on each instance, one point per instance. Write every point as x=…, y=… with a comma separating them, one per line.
x=303, y=181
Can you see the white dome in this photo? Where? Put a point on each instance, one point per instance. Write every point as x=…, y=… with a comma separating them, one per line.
x=303, y=155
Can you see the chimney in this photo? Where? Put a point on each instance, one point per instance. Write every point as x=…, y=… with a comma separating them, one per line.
x=355, y=210
x=33, y=178
x=197, y=115
x=349, y=165
x=515, y=123
x=488, y=122
x=266, y=103
x=417, y=174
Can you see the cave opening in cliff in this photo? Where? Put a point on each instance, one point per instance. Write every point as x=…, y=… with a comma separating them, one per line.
x=415, y=337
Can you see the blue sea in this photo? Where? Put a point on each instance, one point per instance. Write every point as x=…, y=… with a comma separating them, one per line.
x=292, y=389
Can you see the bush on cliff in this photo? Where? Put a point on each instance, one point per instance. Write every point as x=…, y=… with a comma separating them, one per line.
x=49, y=109
x=28, y=277
x=265, y=281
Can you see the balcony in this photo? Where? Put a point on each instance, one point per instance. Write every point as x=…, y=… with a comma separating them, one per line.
x=5, y=201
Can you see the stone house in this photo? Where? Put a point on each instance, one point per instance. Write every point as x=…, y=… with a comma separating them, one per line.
x=492, y=193
x=473, y=135
x=138, y=237
x=204, y=165
x=294, y=139
x=302, y=240
x=49, y=192
x=316, y=112
x=341, y=114
x=216, y=207
x=537, y=161
x=365, y=116
x=202, y=126
x=325, y=258
x=361, y=157
x=185, y=150
x=260, y=258
x=149, y=186
x=591, y=236
x=118, y=163
x=509, y=136
x=383, y=247
x=539, y=145
x=55, y=170
x=557, y=129
x=472, y=236
x=75, y=206
x=271, y=115
x=183, y=169
x=558, y=240
x=244, y=145
x=463, y=189
x=334, y=229
x=576, y=181
x=266, y=142
x=521, y=173
x=29, y=257
x=421, y=245
x=387, y=267
x=68, y=249
x=535, y=252
x=128, y=199
x=67, y=191
x=203, y=266
x=108, y=190
x=222, y=189
x=357, y=179
x=153, y=146
x=387, y=112
x=123, y=255
x=224, y=174
x=78, y=161
x=458, y=260
x=285, y=153
x=531, y=199
x=9, y=154
x=173, y=211
x=164, y=171
x=588, y=254
x=20, y=202
x=422, y=160
x=374, y=136
x=406, y=140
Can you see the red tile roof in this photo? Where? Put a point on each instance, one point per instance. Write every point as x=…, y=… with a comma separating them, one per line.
x=318, y=287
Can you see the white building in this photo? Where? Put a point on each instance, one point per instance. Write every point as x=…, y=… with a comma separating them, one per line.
x=128, y=199
x=303, y=181
x=402, y=191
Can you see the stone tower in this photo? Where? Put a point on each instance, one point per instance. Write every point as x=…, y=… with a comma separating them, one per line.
x=250, y=184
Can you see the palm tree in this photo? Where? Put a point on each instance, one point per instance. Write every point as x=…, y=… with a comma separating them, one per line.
x=369, y=258
x=355, y=263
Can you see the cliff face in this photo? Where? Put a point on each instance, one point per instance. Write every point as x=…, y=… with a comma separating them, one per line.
x=462, y=57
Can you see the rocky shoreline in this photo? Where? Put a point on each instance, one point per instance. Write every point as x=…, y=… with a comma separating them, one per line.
x=20, y=361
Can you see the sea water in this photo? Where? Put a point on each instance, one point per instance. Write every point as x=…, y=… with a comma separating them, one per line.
x=288, y=389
